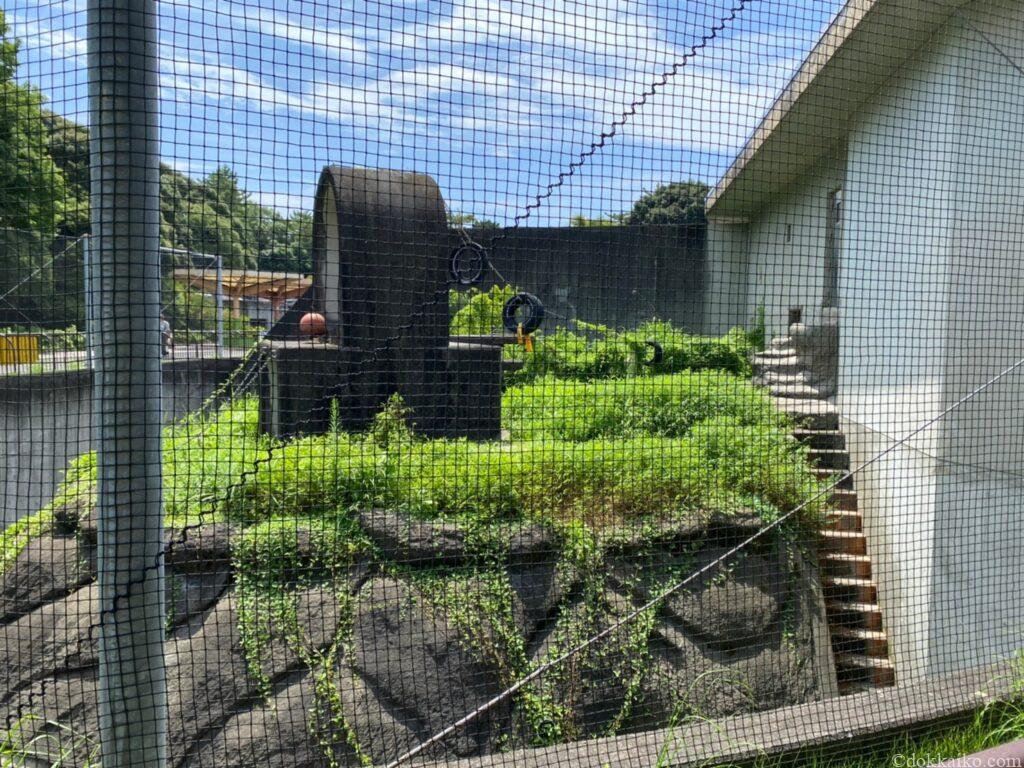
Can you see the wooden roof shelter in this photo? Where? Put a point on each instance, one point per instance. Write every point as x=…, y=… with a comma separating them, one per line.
x=236, y=283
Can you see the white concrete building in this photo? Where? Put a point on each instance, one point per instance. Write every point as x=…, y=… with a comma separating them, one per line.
x=887, y=180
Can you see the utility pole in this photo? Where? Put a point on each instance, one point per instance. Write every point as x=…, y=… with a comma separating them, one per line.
x=125, y=270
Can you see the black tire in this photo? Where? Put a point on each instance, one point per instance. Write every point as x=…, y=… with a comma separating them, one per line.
x=657, y=353
x=522, y=309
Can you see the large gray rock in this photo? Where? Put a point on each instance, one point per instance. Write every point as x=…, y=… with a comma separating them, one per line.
x=735, y=606
x=56, y=721
x=420, y=543
x=57, y=638
x=418, y=665
x=47, y=569
x=280, y=733
x=402, y=539
x=208, y=679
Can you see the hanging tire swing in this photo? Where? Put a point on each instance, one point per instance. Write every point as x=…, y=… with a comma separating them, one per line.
x=522, y=314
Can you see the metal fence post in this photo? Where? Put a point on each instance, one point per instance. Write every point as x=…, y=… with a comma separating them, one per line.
x=126, y=272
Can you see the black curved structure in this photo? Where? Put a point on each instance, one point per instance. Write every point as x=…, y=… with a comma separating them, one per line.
x=381, y=249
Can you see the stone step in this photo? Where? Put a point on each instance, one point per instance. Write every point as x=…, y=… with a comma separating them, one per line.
x=864, y=641
x=780, y=342
x=790, y=364
x=851, y=615
x=830, y=476
x=829, y=439
x=841, y=564
x=774, y=378
x=850, y=588
x=846, y=542
x=795, y=392
x=810, y=414
x=843, y=520
x=830, y=458
x=854, y=667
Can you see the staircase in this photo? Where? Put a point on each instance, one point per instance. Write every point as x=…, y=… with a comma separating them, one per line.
x=855, y=624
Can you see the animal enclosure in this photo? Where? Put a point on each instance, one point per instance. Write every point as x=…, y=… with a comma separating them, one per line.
x=491, y=384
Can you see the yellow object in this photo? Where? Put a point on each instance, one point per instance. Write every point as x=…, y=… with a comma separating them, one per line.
x=525, y=340
x=19, y=348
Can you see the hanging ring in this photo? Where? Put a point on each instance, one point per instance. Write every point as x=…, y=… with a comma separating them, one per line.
x=468, y=263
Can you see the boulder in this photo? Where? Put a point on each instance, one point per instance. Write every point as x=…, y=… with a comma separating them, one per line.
x=275, y=734
x=59, y=717
x=402, y=539
x=200, y=550
x=733, y=607
x=421, y=543
x=47, y=569
x=58, y=638
x=415, y=662
x=208, y=679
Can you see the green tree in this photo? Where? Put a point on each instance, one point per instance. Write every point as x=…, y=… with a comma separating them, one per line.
x=611, y=220
x=680, y=202
x=33, y=193
x=470, y=221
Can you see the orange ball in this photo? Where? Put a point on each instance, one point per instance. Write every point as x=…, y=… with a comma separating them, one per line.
x=313, y=324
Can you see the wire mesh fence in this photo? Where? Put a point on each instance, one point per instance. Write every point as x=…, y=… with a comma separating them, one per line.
x=583, y=383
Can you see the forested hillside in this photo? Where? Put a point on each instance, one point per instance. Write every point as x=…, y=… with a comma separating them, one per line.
x=44, y=207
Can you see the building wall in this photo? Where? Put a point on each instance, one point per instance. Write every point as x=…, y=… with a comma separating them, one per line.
x=726, y=303
x=893, y=339
x=931, y=292
x=979, y=514
x=786, y=247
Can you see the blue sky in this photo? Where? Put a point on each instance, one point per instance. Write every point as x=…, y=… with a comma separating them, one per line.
x=491, y=97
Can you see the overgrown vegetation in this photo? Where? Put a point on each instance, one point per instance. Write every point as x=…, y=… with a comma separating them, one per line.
x=600, y=443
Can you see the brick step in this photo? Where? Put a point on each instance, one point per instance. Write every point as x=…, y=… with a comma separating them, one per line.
x=850, y=588
x=863, y=641
x=841, y=520
x=821, y=438
x=854, y=615
x=853, y=667
x=844, y=499
x=829, y=458
x=842, y=564
x=847, y=542
x=829, y=476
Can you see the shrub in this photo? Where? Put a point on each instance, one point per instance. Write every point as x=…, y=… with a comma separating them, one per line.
x=667, y=405
x=719, y=464
x=479, y=313
x=611, y=354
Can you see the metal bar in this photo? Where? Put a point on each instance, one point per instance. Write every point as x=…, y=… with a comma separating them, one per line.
x=124, y=199
x=220, y=305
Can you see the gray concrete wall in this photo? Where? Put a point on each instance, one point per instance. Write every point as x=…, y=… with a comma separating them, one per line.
x=931, y=292
x=726, y=303
x=618, y=276
x=786, y=247
x=45, y=421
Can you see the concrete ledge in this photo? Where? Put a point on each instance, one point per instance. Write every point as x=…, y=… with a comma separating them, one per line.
x=830, y=723
x=178, y=369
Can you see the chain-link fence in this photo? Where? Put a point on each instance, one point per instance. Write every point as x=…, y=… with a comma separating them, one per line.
x=584, y=383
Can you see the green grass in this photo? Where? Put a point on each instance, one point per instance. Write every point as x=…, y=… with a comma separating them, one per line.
x=665, y=405
x=603, y=353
